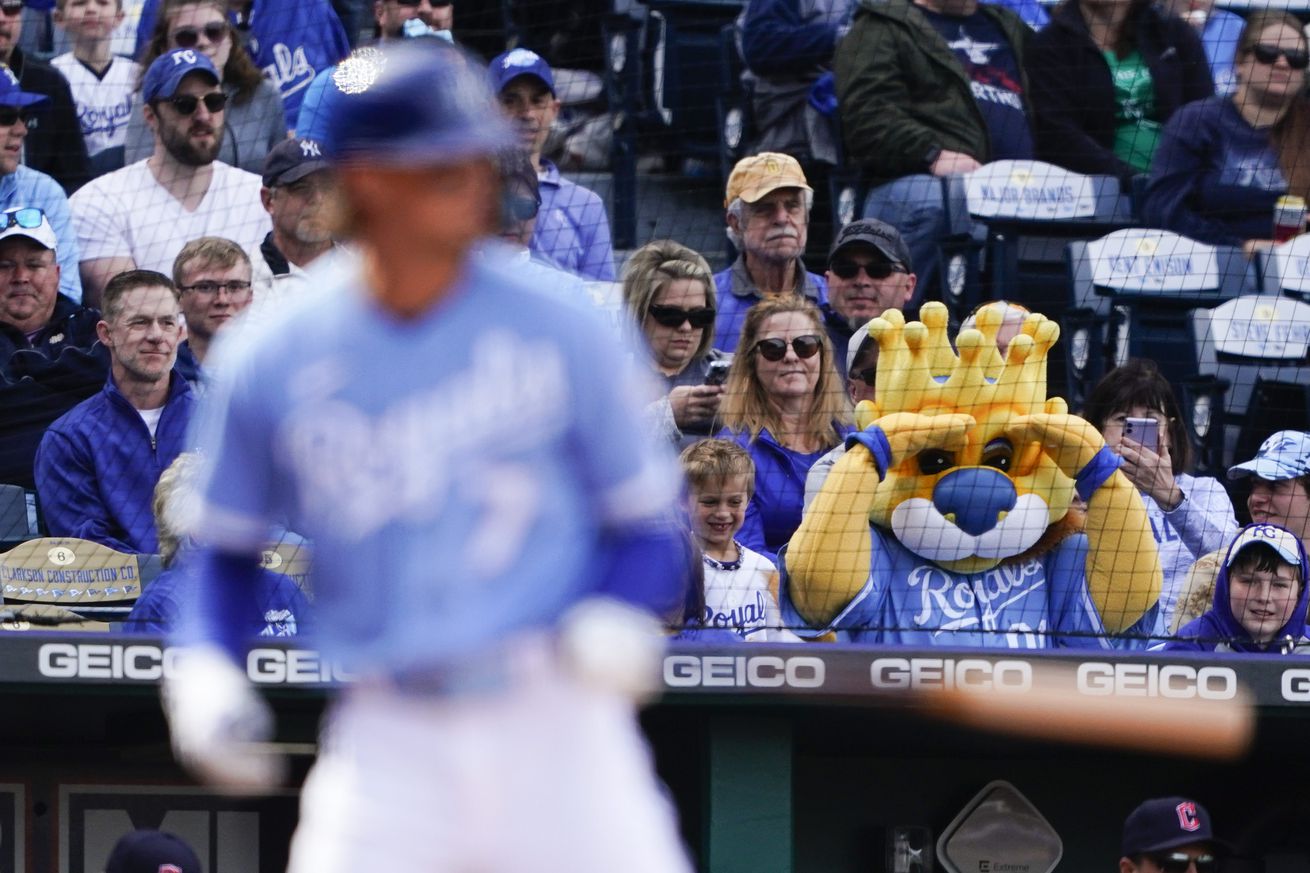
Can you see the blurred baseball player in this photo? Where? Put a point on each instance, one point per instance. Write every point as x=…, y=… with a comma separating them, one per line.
x=487, y=520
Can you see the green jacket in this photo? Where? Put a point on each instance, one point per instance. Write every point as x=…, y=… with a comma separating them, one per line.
x=903, y=96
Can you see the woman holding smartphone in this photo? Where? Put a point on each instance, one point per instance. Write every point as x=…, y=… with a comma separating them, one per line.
x=1134, y=408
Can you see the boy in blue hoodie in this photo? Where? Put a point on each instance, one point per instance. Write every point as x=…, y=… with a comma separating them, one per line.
x=1259, y=598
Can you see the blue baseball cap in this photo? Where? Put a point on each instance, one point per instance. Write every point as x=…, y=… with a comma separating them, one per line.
x=147, y=851
x=411, y=103
x=12, y=93
x=520, y=62
x=169, y=69
x=1285, y=455
x=1167, y=823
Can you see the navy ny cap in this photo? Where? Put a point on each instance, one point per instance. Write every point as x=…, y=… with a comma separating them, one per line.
x=1166, y=823
x=169, y=69
x=520, y=62
x=147, y=851
x=292, y=160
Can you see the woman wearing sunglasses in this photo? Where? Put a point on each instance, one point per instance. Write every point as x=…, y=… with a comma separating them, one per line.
x=1224, y=162
x=669, y=291
x=253, y=119
x=785, y=404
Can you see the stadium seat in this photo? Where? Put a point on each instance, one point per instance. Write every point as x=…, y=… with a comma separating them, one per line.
x=290, y=556
x=1252, y=377
x=14, y=525
x=84, y=582
x=624, y=78
x=732, y=105
x=1286, y=269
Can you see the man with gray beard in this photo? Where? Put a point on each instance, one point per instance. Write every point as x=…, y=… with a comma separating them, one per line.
x=139, y=217
x=297, y=189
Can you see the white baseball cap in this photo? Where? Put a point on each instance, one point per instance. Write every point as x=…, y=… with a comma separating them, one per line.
x=856, y=344
x=1285, y=455
x=30, y=222
x=1280, y=539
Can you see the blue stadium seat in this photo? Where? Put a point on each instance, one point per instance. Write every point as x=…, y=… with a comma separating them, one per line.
x=732, y=104
x=1286, y=269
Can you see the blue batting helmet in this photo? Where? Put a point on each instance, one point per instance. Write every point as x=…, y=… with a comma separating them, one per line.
x=411, y=104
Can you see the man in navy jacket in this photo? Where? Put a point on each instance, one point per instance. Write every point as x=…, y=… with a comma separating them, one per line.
x=97, y=465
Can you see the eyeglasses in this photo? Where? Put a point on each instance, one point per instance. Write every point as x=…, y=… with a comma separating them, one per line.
x=873, y=269
x=519, y=208
x=1297, y=59
x=189, y=37
x=11, y=7
x=186, y=104
x=673, y=316
x=1177, y=862
x=869, y=376
x=11, y=115
x=28, y=218
x=234, y=287
x=774, y=349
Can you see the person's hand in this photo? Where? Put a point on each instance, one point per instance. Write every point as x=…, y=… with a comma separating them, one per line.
x=1152, y=474
x=220, y=725
x=694, y=404
x=951, y=163
x=1251, y=246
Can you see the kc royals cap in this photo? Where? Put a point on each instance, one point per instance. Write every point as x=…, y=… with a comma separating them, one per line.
x=411, y=103
x=757, y=175
x=292, y=160
x=520, y=62
x=12, y=93
x=169, y=69
x=1285, y=455
x=1166, y=823
x=872, y=232
x=147, y=851
x=1280, y=539
x=29, y=222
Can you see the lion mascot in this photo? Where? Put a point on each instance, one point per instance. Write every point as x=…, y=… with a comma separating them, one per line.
x=952, y=520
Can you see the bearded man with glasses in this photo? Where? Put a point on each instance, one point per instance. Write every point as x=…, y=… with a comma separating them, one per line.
x=142, y=215
x=1169, y=835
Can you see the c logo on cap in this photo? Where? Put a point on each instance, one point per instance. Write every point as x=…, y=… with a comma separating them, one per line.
x=169, y=868
x=186, y=56
x=1187, y=817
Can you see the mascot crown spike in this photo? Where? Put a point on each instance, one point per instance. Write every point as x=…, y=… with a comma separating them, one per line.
x=919, y=372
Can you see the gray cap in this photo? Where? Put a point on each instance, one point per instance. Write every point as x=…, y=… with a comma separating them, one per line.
x=879, y=234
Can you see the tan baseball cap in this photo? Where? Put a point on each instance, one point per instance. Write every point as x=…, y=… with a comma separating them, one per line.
x=757, y=175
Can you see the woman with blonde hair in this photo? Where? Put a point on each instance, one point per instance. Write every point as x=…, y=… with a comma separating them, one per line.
x=785, y=404
x=669, y=291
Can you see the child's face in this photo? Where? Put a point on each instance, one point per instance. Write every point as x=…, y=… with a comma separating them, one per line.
x=717, y=510
x=1263, y=601
x=89, y=19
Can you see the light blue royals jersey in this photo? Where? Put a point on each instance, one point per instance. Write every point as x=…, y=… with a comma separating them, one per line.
x=1038, y=603
x=454, y=472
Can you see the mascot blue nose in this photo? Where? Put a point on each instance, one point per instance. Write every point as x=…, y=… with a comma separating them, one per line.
x=976, y=496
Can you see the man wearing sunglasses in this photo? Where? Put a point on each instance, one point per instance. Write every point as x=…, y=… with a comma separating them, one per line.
x=139, y=217
x=1169, y=835
x=868, y=273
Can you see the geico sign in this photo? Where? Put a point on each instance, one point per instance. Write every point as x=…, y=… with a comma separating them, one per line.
x=975, y=673
x=1157, y=680
x=291, y=667
x=728, y=671
x=1296, y=685
x=103, y=661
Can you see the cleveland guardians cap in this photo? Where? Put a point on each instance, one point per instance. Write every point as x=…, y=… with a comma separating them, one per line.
x=758, y=175
x=411, y=103
x=12, y=94
x=148, y=851
x=872, y=232
x=170, y=68
x=30, y=222
x=1285, y=455
x=1280, y=539
x=1166, y=823
x=519, y=62
x=292, y=160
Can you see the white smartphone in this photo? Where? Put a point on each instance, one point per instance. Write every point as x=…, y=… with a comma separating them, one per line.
x=1145, y=431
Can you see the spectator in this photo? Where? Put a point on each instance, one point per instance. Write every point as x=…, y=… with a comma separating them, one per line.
x=740, y=585
x=1168, y=834
x=783, y=403
x=1259, y=598
x=572, y=228
x=391, y=15
x=767, y=209
x=22, y=186
x=669, y=292
x=101, y=82
x=296, y=193
x=98, y=464
x=1220, y=31
x=140, y=216
x=54, y=144
x=861, y=382
x=282, y=609
x=869, y=272
x=1190, y=516
x=34, y=314
x=212, y=275
x=1106, y=75
x=929, y=89
x=1012, y=318
x=289, y=42
x=255, y=121
x=1225, y=161
x=147, y=851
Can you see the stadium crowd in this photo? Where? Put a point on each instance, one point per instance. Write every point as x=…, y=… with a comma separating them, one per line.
x=154, y=202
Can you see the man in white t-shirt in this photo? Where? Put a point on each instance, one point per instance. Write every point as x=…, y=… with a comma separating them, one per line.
x=139, y=217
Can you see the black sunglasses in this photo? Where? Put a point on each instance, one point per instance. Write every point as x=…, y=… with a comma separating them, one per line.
x=869, y=376
x=189, y=37
x=674, y=316
x=186, y=104
x=873, y=269
x=1177, y=862
x=519, y=208
x=11, y=115
x=1297, y=59
x=774, y=349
